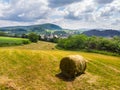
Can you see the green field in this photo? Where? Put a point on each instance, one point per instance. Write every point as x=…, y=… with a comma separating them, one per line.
x=9, y=41
x=35, y=66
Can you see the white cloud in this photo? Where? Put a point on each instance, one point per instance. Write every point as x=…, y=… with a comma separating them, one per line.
x=109, y=13
x=102, y=16
x=81, y=11
x=24, y=10
x=67, y=13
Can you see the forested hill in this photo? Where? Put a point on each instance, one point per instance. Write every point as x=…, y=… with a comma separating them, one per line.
x=51, y=26
x=103, y=33
x=33, y=27
x=19, y=30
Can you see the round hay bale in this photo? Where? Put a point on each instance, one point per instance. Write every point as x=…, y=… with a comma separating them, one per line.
x=72, y=66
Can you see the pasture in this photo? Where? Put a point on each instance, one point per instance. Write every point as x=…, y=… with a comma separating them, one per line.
x=9, y=41
x=37, y=69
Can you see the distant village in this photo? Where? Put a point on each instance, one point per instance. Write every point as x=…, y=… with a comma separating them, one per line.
x=46, y=35
x=58, y=34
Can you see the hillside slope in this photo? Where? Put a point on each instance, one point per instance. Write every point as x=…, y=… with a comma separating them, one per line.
x=39, y=26
x=29, y=69
x=19, y=30
x=51, y=26
x=104, y=33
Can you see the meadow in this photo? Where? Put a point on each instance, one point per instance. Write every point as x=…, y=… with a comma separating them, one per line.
x=35, y=67
x=9, y=41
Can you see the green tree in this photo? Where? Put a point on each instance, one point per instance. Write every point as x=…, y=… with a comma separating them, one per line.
x=3, y=33
x=91, y=43
x=73, y=42
x=24, y=36
x=33, y=37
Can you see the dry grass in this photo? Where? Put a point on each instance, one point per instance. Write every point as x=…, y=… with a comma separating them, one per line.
x=37, y=69
x=6, y=83
x=41, y=45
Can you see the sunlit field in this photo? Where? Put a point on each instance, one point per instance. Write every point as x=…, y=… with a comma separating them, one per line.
x=35, y=66
x=9, y=41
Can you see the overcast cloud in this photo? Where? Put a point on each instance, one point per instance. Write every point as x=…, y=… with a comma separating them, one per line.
x=71, y=14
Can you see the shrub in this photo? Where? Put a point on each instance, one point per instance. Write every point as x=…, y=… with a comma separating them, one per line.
x=33, y=37
x=25, y=41
x=72, y=66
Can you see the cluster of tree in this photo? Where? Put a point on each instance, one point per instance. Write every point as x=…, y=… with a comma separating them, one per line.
x=91, y=43
x=2, y=33
x=33, y=37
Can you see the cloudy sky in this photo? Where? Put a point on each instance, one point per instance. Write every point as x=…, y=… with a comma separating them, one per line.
x=71, y=14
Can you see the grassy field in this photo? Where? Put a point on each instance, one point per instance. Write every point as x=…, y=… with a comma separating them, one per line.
x=9, y=41
x=26, y=69
x=41, y=45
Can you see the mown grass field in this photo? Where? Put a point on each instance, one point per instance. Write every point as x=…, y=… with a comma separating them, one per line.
x=9, y=41
x=26, y=69
x=41, y=45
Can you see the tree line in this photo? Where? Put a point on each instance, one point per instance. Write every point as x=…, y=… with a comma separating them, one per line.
x=80, y=42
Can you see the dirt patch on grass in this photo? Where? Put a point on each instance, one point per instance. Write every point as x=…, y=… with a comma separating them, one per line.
x=6, y=83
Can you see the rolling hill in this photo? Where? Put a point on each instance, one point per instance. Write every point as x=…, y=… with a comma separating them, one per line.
x=103, y=33
x=32, y=28
x=35, y=67
x=44, y=26
x=51, y=26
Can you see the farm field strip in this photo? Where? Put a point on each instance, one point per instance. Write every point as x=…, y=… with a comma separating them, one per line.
x=9, y=41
